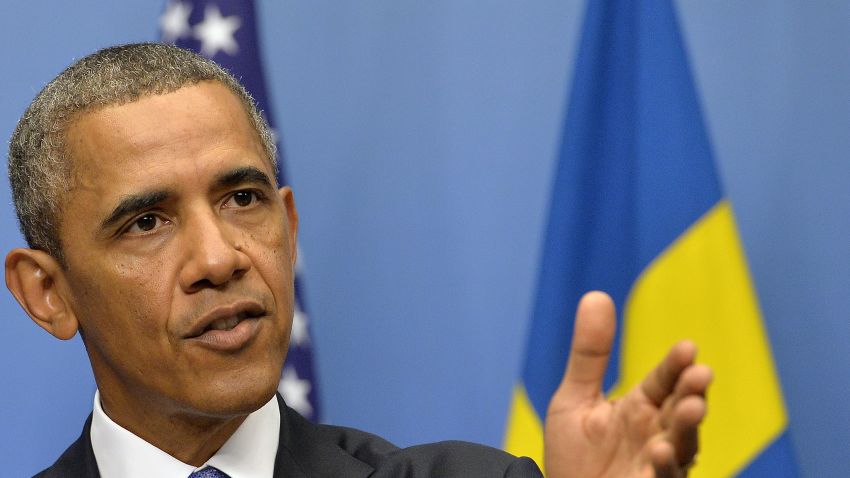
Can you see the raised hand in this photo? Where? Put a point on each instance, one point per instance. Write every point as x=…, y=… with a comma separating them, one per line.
x=649, y=432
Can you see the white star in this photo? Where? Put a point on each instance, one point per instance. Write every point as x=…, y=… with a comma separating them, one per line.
x=174, y=22
x=294, y=391
x=216, y=32
x=299, y=328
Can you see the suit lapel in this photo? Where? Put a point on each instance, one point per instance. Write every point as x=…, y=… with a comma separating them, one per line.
x=303, y=452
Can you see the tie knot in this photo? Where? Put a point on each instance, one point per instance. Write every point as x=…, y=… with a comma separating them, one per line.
x=209, y=472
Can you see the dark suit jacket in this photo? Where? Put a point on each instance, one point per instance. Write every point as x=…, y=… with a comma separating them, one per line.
x=308, y=450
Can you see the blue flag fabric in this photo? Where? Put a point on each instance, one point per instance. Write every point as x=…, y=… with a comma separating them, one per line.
x=226, y=32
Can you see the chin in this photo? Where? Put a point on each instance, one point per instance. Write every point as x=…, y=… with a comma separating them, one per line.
x=241, y=395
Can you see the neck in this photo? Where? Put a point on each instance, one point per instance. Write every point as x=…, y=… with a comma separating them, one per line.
x=190, y=438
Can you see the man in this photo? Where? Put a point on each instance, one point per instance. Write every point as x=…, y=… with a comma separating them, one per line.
x=143, y=178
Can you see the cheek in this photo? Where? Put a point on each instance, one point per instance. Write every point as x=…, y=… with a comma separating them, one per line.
x=273, y=259
x=144, y=281
x=125, y=300
x=271, y=245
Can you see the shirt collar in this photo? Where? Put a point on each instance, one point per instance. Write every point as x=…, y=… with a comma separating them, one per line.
x=249, y=452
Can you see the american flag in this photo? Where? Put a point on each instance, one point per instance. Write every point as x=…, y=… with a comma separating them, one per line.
x=226, y=32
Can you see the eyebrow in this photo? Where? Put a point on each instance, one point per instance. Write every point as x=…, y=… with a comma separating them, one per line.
x=246, y=174
x=135, y=203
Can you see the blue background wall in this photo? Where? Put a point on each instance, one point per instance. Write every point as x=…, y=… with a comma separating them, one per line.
x=420, y=139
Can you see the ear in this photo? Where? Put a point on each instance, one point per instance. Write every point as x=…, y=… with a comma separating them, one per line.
x=35, y=278
x=291, y=219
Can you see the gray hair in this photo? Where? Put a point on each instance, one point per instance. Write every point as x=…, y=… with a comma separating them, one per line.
x=39, y=170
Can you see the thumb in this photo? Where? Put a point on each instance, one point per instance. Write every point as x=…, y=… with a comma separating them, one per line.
x=593, y=335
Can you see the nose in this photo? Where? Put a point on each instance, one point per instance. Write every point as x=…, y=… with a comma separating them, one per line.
x=213, y=254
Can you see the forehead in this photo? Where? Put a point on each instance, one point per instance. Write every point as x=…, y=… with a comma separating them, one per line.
x=196, y=127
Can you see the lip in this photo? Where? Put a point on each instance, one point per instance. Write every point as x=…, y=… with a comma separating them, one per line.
x=249, y=313
x=229, y=340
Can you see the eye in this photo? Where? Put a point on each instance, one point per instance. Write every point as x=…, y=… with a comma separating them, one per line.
x=146, y=223
x=243, y=199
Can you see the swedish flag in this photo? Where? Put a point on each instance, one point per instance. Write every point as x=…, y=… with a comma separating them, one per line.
x=638, y=211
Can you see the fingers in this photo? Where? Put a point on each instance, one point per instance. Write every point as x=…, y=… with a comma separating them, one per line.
x=694, y=380
x=593, y=335
x=673, y=453
x=683, y=433
x=678, y=388
x=660, y=383
x=663, y=460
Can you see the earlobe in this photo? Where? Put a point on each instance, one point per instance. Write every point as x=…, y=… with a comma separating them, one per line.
x=292, y=219
x=34, y=278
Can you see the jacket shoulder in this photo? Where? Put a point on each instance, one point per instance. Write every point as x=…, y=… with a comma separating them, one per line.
x=456, y=459
x=311, y=450
x=366, y=447
x=444, y=459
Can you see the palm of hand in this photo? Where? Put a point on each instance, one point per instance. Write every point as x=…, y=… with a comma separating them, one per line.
x=649, y=432
x=601, y=438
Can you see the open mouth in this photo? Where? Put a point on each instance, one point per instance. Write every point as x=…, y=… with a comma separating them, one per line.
x=226, y=319
x=229, y=329
x=228, y=323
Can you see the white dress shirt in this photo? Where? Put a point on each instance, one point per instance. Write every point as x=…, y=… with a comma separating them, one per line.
x=249, y=453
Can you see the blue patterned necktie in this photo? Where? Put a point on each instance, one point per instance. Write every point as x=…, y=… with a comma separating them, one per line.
x=209, y=472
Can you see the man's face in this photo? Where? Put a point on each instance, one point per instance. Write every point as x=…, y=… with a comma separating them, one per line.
x=180, y=254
